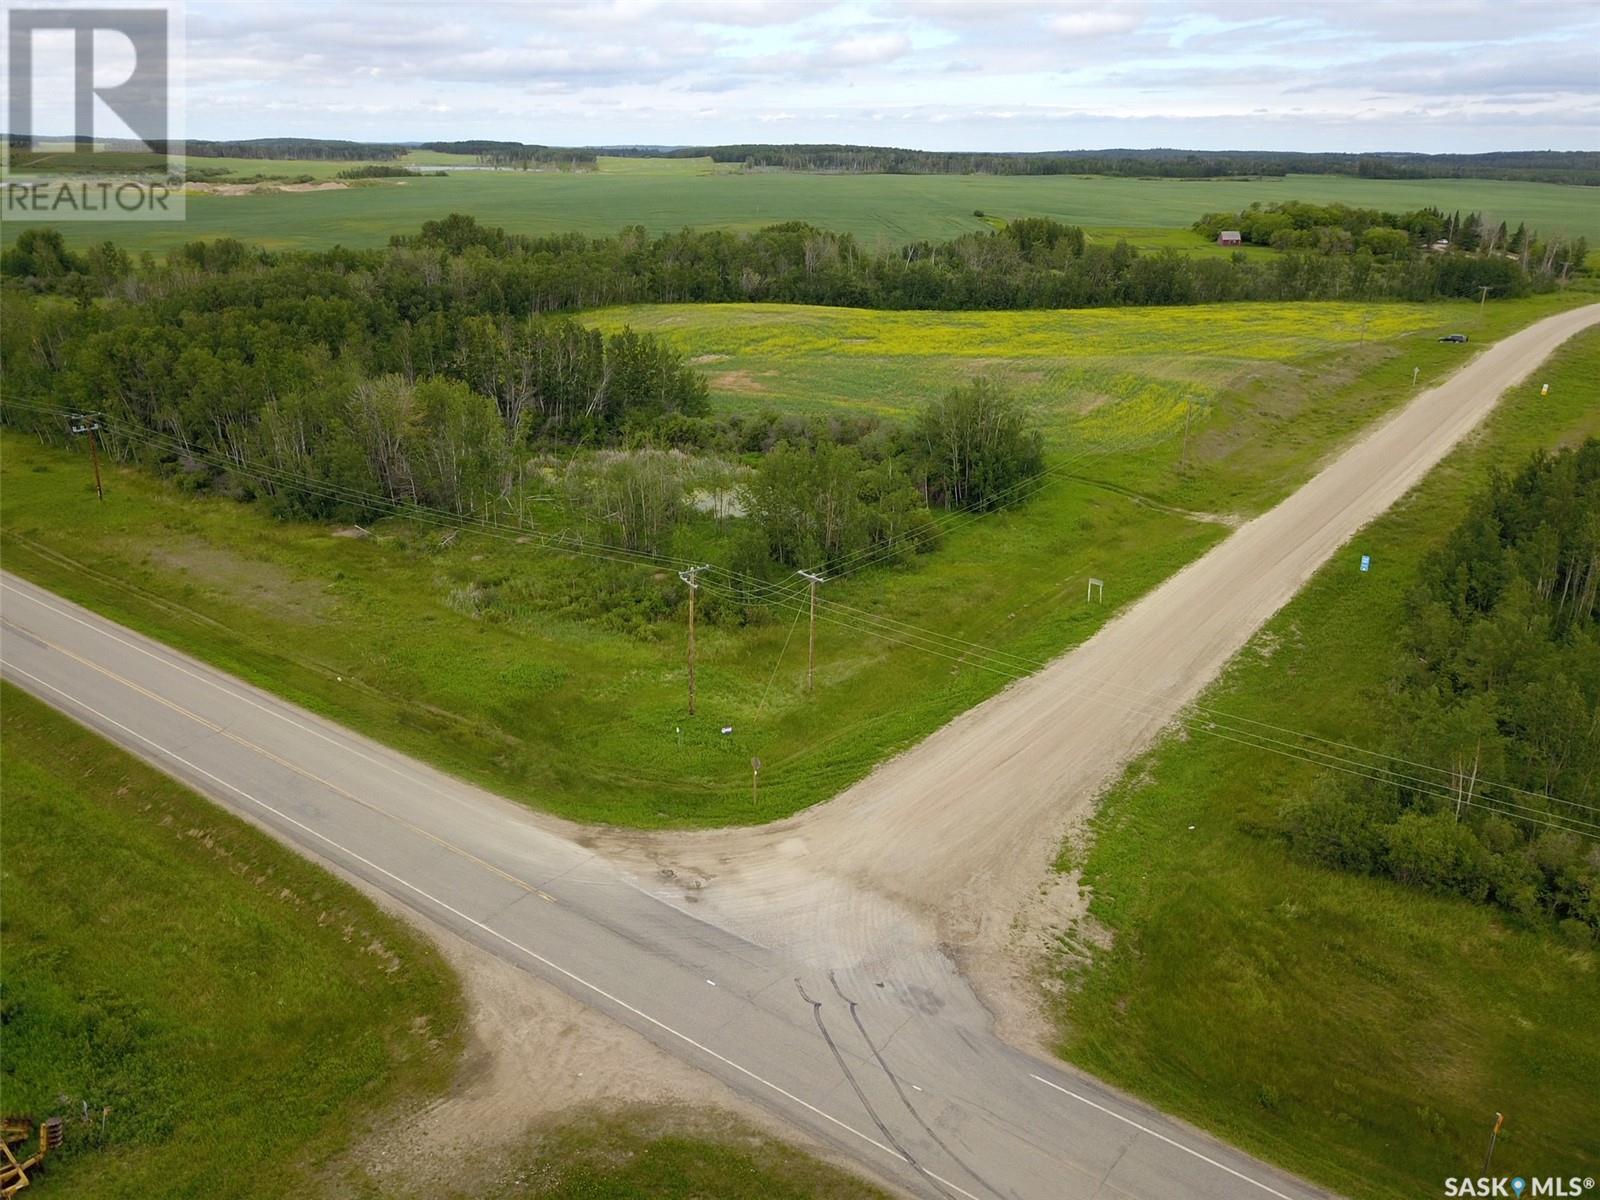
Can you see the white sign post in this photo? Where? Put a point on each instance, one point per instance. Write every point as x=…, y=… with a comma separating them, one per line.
x=1097, y=590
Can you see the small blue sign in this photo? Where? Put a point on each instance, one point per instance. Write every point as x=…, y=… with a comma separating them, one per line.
x=1366, y=561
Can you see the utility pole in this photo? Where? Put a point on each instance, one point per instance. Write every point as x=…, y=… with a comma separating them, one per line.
x=694, y=586
x=89, y=423
x=813, y=579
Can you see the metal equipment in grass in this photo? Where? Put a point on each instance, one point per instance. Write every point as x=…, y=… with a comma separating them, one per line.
x=16, y=1132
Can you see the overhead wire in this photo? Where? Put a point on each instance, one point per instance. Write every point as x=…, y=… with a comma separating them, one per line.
x=1213, y=721
x=1007, y=664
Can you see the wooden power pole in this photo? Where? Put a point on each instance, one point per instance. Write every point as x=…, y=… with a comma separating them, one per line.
x=89, y=423
x=813, y=579
x=689, y=578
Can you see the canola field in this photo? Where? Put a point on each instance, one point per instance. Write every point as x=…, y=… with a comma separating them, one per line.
x=1088, y=374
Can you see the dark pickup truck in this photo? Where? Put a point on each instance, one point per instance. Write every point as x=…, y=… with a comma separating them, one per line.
x=1454, y=337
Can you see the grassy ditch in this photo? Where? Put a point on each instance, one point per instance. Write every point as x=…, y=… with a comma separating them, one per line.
x=1355, y=1030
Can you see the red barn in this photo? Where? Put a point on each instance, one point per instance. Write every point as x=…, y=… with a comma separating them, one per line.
x=1229, y=237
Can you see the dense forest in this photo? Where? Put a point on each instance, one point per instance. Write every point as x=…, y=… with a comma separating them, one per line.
x=304, y=368
x=1500, y=683
x=338, y=386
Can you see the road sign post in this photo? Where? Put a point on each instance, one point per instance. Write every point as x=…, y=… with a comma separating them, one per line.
x=755, y=776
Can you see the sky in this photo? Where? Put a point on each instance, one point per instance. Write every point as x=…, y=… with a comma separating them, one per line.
x=1348, y=75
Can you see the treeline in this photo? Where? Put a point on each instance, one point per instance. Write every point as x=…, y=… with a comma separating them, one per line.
x=1341, y=229
x=311, y=149
x=386, y=171
x=1030, y=263
x=326, y=149
x=516, y=154
x=1529, y=166
x=884, y=160
x=1541, y=166
x=1500, y=690
x=1033, y=263
x=1545, y=166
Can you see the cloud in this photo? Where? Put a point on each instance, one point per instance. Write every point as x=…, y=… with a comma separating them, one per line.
x=1009, y=74
x=868, y=49
x=1094, y=23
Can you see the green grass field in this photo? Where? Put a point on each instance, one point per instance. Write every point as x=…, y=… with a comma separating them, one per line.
x=485, y=657
x=881, y=210
x=239, y=1011
x=1255, y=380
x=1352, y=1029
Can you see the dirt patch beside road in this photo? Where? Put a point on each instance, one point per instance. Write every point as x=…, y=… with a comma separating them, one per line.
x=534, y=1056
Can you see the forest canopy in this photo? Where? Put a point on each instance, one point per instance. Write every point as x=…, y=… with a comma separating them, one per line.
x=1500, y=684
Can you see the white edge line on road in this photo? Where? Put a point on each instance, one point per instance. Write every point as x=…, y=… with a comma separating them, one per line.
x=1163, y=1137
x=174, y=660
x=539, y=958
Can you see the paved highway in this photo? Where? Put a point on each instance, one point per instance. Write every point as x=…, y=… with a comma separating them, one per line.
x=881, y=1050
x=900, y=1075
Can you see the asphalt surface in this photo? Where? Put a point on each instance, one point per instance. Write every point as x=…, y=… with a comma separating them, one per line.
x=884, y=1053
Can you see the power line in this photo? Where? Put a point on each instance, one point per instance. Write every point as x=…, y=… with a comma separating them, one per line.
x=1218, y=723
x=1008, y=665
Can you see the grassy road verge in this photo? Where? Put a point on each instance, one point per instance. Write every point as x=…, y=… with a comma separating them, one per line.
x=211, y=1015
x=214, y=1017
x=1352, y=1029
